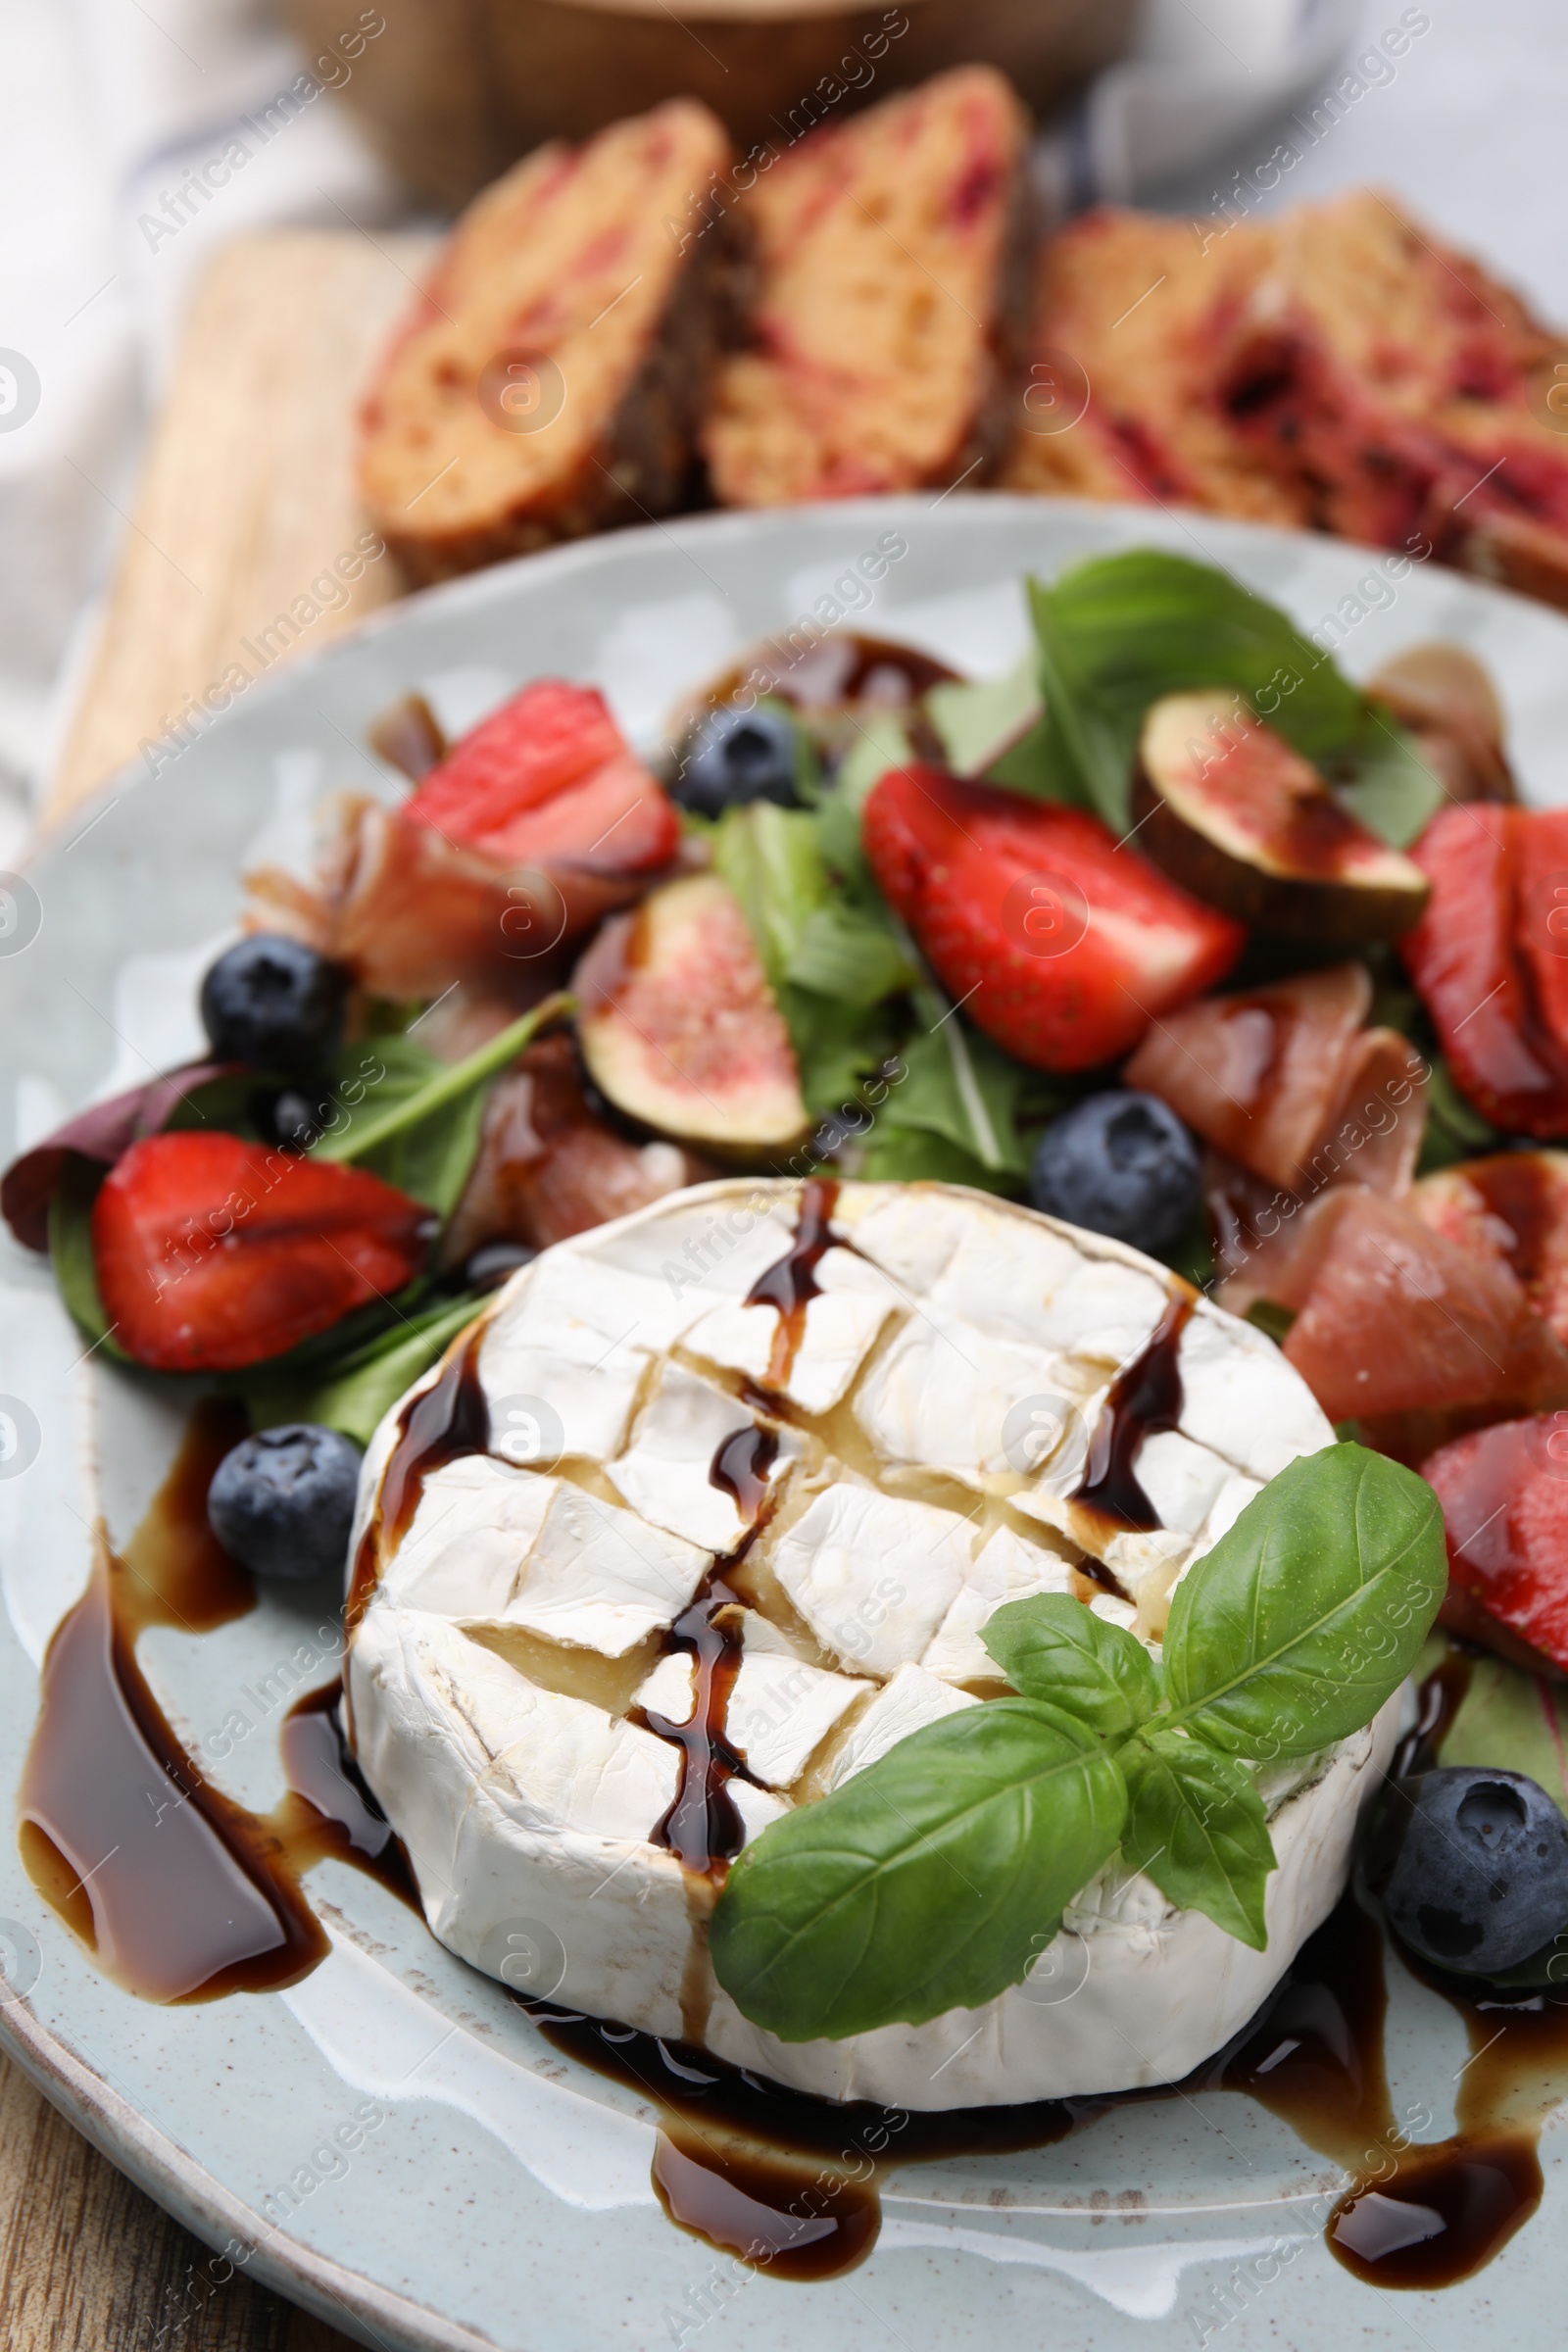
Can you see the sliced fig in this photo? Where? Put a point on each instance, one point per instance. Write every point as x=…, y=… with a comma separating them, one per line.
x=679, y=1025
x=1237, y=816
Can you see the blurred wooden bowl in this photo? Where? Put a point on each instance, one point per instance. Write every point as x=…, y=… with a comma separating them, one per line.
x=449, y=96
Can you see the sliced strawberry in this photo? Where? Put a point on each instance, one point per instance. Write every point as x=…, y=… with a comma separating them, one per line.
x=1484, y=959
x=1062, y=945
x=548, y=779
x=212, y=1253
x=1504, y=1496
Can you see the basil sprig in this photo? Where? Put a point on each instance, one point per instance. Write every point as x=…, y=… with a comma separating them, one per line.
x=933, y=1879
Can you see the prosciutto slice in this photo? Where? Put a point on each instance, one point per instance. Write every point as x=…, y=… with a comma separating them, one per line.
x=536, y=825
x=1287, y=1083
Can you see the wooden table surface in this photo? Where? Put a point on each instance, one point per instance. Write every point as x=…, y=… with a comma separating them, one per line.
x=246, y=495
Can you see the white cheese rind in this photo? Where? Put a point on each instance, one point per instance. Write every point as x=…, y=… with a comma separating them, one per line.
x=522, y=1808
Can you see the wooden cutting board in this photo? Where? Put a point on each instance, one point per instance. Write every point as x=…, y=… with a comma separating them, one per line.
x=246, y=495
x=247, y=492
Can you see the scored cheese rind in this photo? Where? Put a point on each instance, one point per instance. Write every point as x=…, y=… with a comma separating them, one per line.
x=926, y=1441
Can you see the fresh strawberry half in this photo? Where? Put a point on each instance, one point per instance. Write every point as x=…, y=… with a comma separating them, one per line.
x=1062, y=945
x=1490, y=956
x=1504, y=1496
x=546, y=780
x=212, y=1253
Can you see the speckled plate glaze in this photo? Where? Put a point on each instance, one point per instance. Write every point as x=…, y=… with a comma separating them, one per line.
x=504, y=2197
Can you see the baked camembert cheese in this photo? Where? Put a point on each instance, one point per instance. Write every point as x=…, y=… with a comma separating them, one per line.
x=709, y=1513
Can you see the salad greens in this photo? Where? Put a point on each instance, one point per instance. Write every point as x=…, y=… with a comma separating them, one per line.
x=420, y=1133
x=934, y=1878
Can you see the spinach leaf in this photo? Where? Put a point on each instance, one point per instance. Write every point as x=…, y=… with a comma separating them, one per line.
x=927, y=1882
x=419, y=1128
x=353, y=1392
x=70, y=1249
x=1196, y=1826
x=1052, y=1647
x=1310, y=1611
x=1515, y=1721
x=1116, y=633
x=1383, y=779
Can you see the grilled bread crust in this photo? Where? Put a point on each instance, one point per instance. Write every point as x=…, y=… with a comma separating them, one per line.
x=551, y=379
x=895, y=254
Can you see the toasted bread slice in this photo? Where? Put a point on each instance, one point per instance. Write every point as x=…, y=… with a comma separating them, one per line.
x=1398, y=386
x=1132, y=310
x=895, y=252
x=549, y=381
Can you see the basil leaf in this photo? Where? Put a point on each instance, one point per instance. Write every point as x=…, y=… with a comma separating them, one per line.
x=355, y=1393
x=929, y=1881
x=1116, y=633
x=1052, y=1647
x=1196, y=1826
x=419, y=1130
x=70, y=1249
x=1308, y=1612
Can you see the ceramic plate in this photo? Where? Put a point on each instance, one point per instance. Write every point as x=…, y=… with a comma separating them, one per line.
x=504, y=2196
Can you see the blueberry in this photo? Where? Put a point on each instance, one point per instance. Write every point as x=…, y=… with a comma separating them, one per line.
x=1121, y=1165
x=274, y=1003
x=1481, y=1879
x=282, y=1501
x=733, y=756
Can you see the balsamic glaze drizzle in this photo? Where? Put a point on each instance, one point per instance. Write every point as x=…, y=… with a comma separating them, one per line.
x=1143, y=1400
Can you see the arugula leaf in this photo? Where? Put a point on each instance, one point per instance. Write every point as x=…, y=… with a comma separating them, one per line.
x=831, y=954
x=883, y=741
x=961, y=1086
x=1310, y=1611
x=423, y=1129
x=978, y=721
x=354, y=1393
x=898, y=1155
x=1116, y=633
x=927, y=1882
x=70, y=1249
x=1052, y=1647
x=772, y=862
x=1196, y=1826
x=846, y=954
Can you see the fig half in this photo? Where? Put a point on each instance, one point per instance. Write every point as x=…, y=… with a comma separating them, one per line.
x=1241, y=821
x=678, y=1026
